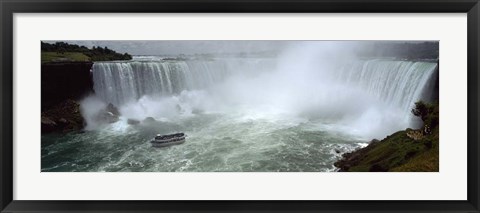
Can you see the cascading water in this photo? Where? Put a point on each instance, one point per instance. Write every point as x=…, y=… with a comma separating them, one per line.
x=394, y=83
x=121, y=82
x=397, y=83
x=290, y=113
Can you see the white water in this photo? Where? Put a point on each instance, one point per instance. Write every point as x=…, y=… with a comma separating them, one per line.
x=122, y=82
x=296, y=112
x=366, y=98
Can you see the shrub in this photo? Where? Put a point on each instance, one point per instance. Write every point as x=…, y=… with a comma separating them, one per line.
x=428, y=112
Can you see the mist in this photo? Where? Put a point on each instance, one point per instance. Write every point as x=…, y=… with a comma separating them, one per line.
x=303, y=82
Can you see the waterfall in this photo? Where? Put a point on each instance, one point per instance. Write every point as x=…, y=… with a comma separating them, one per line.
x=124, y=81
x=395, y=84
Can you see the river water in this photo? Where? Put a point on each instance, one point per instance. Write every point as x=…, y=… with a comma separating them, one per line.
x=240, y=114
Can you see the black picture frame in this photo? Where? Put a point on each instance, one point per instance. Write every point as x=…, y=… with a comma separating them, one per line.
x=9, y=7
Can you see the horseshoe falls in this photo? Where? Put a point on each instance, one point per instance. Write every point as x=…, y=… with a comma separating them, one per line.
x=397, y=84
x=248, y=114
x=121, y=82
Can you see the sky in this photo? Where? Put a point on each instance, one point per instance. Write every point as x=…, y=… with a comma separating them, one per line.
x=190, y=47
x=183, y=47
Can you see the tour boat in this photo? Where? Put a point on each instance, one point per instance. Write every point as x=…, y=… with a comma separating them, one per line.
x=167, y=140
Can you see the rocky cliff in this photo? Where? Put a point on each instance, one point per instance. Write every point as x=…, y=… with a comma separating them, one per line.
x=63, y=84
x=65, y=80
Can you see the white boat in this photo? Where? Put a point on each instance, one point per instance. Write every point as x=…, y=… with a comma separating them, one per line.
x=167, y=140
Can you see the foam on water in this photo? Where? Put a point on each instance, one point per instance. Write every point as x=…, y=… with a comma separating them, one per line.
x=296, y=112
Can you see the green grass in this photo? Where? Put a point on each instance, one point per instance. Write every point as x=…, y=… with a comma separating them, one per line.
x=388, y=153
x=67, y=57
x=397, y=153
x=426, y=161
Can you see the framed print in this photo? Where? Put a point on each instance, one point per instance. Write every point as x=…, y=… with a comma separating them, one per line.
x=239, y=106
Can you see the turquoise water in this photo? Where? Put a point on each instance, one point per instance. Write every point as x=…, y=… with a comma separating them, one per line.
x=296, y=114
x=215, y=143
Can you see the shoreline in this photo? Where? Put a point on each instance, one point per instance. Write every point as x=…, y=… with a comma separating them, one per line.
x=409, y=150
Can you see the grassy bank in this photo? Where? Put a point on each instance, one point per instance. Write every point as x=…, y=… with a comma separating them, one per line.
x=64, y=57
x=404, y=151
x=63, y=52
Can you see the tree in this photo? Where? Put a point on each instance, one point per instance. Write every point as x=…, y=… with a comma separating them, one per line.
x=429, y=113
x=97, y=53
x=421, y=110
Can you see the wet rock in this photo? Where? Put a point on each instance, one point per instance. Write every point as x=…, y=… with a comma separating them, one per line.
x=149, y=120
x=63, y=121
x=105, y=116
x=133, y=121
x=113, y=109
x=48, y=121
x=63, y=117
x=108, y=115
x=48, y=125
x=337, y=151
x=350, y=159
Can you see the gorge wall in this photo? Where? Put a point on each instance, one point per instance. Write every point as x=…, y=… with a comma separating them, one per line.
x=65, y=80
x=63, y=84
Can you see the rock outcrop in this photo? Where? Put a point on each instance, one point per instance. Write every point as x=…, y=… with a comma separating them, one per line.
x=133, y=121
x=105, y=116
x=64, y=81
x=110, y=114
x=62, y=117
x=149, y=120
x=113, y=109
